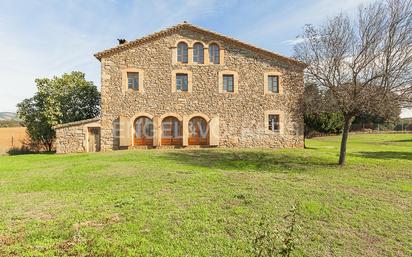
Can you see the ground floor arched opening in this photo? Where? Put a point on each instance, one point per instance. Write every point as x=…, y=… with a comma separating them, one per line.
x=143, y=131
x=198, y=131
x=172, y=132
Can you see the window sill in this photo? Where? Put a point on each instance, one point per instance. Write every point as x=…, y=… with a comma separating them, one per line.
x=182, y=92
x=132, y=92
x=272, y=93
x=270, y=132
x=198, y=64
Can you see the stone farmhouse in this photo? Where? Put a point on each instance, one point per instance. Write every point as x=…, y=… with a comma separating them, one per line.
x=186, y=86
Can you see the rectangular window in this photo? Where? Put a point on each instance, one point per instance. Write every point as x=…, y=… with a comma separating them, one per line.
x=274, y=123
x=182, y=82
x=228, y=83
x=133, y=80
x=273, y=84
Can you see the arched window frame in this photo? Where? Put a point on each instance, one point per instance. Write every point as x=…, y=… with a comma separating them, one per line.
x=182, y=52
x=214, y=53
x=198, y=53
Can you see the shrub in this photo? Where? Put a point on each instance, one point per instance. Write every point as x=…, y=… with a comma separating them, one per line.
x=272, y=240
x=325, y=122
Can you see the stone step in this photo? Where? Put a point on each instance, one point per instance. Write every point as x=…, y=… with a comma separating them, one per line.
x=169, y=147
x=139, y=147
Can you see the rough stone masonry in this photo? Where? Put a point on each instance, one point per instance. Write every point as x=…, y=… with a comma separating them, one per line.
x=235, y=119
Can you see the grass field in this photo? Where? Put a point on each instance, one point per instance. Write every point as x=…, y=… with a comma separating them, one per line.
x=210, y=202
x=10, y=137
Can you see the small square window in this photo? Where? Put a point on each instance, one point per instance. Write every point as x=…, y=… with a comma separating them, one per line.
x=228, y=83
x=133, y=81
x=273, y=84
x=274, y=122
x=182, y=82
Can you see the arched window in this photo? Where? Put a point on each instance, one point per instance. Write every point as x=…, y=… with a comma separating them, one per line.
x=143, y=131
x=214, y=53
x=172, y=132
x=198, y=54
x=182, y=52
x=198, y=131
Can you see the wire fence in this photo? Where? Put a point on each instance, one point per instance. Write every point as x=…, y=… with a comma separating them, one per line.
x=401, y=127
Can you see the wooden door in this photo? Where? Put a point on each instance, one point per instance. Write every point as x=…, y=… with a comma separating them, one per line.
x=171, y=131
x=93, y=139
x=143, y=135
x=198, y=131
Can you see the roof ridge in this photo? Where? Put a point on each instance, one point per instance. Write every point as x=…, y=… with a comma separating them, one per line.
x=162, y=32
x=244, y=43
x=100, y=54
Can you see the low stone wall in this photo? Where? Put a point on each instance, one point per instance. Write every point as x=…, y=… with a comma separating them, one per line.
x=72, y=137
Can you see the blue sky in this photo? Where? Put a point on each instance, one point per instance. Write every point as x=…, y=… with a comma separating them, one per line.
x=42, y=38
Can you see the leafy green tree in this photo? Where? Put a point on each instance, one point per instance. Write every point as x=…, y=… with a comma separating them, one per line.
x=58, y=100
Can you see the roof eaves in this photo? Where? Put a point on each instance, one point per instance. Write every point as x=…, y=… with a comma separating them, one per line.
x=76, y=123
x=138, y=41
x=163, y=32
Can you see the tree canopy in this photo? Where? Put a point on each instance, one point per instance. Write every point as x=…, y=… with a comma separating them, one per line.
x=364, y=61
x=58, y=100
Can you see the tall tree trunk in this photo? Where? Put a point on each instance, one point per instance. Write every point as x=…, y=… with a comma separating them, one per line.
x=345, y=134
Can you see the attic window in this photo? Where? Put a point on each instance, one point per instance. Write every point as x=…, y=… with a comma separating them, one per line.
x=182, y=52
x=214, y=53
x=198, y=53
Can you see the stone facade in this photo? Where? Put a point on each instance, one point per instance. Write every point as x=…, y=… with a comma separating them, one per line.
x=238, y=119
x=73, y=137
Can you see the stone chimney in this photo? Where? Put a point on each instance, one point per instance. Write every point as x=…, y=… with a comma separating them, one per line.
x=122, y=41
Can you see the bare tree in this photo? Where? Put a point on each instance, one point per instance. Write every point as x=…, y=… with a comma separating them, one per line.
x=364, y=60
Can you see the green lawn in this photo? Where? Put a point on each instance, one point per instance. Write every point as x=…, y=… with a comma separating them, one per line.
x=210, y=202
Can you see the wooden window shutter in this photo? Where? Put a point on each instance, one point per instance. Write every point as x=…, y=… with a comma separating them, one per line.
x=214, y=131
x=124, y=131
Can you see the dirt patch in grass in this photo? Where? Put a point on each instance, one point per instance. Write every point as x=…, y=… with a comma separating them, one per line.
x=115, y=218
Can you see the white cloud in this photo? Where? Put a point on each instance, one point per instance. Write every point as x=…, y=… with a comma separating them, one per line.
x=293, y=42
x=406, y=113
x=289, y=19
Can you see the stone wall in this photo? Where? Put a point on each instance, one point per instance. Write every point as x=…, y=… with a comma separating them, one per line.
x=241, y=115
x=72, y=137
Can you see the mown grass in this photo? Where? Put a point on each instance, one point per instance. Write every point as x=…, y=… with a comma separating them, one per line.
x=210, y=202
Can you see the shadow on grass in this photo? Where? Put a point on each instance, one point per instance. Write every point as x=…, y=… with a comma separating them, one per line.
x=247, y=160
x=24, y=150
x=402, y=141
x=386, y=155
